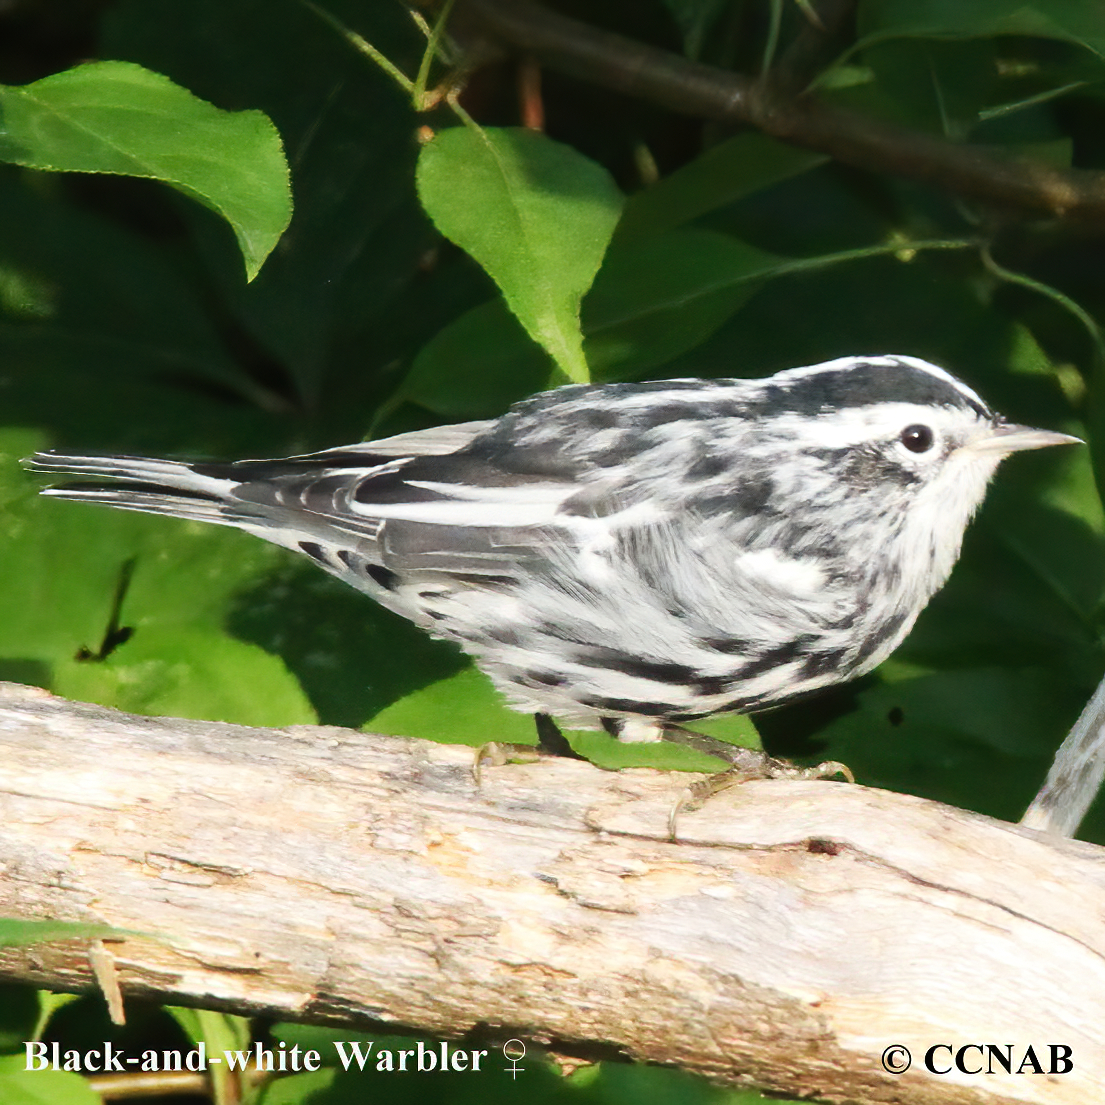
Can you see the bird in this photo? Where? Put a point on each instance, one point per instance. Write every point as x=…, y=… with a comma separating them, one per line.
x=634, y=556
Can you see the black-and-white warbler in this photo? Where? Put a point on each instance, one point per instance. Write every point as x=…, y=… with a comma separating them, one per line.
x=635, y=555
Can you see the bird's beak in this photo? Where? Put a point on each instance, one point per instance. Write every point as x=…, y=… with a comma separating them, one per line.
x=1006, y=438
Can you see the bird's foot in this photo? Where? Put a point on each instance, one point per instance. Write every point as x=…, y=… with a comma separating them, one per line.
x=498, y=753
x=550, y=742
x=746, y=764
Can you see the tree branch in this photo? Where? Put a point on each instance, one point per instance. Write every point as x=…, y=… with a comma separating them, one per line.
x=794, y=932
x=691, y=88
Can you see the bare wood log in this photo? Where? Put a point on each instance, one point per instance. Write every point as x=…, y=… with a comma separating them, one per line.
x=794, y=932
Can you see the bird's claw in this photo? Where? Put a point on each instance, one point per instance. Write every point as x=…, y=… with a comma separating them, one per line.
x=748, y=763
x=498, y=753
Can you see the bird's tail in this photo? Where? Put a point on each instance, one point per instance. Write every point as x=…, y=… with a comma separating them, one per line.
x=198, y=492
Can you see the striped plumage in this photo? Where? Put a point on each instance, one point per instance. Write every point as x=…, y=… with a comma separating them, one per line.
x=634, y=554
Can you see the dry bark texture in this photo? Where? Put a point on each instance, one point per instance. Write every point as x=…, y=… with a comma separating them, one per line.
x=794, y=931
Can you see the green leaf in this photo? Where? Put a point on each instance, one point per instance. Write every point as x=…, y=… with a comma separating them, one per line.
x=510, y=365
x=335, y=303
x=612, y=754
x=653, y=300
x=42, y=1087
x=350, y=655
x=696, y=19
x=939, y=86
x=175, y=670
x=735, y=728
x=19, y=1013
x=657, y=297
x=49, y=1002
x=101, y=316
x=725, y=173
x=14, y=932
x=179, y=659
x=620, y=1083
x=1068, y=20
x=311, y=1087
x=535, y=214
x=467, y=709
x=116, y=117
x=980, y=738
x=221, y=1032
x=462, y=709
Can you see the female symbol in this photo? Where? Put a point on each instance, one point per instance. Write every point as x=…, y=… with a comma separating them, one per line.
x=514, y=1050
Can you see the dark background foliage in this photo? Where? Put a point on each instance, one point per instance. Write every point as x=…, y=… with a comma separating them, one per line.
x=126, y=325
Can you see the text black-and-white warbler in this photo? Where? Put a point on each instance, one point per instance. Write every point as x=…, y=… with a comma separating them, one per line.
x=635, y=555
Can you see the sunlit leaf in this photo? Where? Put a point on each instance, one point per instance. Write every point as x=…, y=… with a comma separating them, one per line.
x=466, y=709
x=14, y=932
x=178, y=658
x=116, y=117
x=19, y=1086
x=537, y=216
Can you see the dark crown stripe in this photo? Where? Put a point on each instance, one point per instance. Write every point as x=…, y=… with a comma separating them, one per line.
x=865, y=384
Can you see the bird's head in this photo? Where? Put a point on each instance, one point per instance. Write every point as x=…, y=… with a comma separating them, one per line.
x=901, y=449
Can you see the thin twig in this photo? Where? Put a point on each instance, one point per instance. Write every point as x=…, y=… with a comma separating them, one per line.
x=691, y=88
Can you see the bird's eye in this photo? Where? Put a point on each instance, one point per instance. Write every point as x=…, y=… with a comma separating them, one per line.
x=916, y=438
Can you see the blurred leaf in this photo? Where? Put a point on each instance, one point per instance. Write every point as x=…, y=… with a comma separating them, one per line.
x=174, y=670
x=537, y=216
x=491, y=1083
x=696, y=19
x=179, y=660
x=317, y=1037
x=619, y=1083
x=25, y=1011
x=220, y=1032
x=1027, y=590
x=1058, y=153
x=1068, y=20
x=17, y=933
x=18, y=1013
x=350, y=655
x=49, y=1003
x=42, y=1087
x=467, y=709
x=511, y=366
x=337, y=301
x=116, y=117
x=962, y=736
x=940, y=86
x=307, y=1088
x=653, y=300
x=735, y=728
x=462, y=709
x=119, y=349
x=1010, y=108
x=612, y=754
x=658, y=297
x=737, y=167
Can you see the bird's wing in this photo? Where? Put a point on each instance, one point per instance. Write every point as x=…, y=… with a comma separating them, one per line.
x=375, y=513
x=435, y=441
